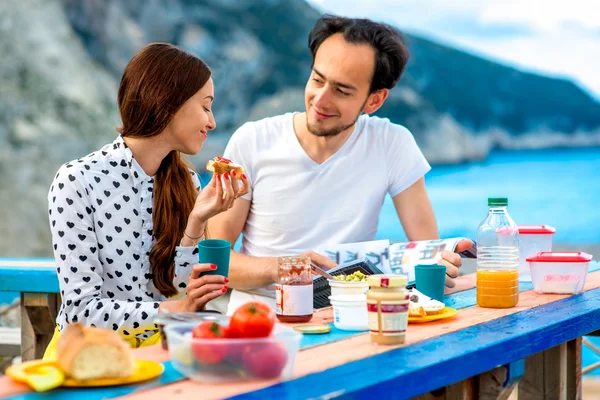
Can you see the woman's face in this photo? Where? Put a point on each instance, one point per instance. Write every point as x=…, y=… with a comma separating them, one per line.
x=189, y=127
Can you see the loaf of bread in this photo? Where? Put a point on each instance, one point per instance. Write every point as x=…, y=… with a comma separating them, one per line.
x=220, y=165
x=93, y=353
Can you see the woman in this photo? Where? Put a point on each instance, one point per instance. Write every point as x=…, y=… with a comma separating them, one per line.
x=126, y=219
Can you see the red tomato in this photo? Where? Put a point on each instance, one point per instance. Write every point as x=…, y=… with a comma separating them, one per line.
x=209, y=353
x=265, y=360
x=252, y=320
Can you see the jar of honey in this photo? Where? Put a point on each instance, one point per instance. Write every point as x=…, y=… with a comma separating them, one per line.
x=387, y=306
x=294, y=289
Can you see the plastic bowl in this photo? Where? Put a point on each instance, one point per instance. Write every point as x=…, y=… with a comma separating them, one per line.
x=162, y=320
x=341, y=288
x=561, y=273
x=350, y=312
x=232, y=360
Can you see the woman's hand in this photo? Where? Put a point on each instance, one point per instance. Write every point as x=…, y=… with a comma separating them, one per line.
x=200, y=290
x=219, y=195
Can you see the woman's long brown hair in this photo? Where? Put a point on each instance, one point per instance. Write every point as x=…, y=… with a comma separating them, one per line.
x=156, y=83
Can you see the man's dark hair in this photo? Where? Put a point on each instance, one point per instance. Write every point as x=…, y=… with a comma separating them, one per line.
x=391, y=54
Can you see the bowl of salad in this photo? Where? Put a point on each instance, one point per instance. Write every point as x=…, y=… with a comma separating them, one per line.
x=355, y=283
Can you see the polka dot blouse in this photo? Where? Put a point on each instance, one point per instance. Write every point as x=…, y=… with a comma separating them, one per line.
x=100, y=209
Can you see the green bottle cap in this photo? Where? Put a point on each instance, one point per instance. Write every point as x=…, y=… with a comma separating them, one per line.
x=497, y=202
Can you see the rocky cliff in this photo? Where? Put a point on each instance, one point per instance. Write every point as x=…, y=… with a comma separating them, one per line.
x=61, y=61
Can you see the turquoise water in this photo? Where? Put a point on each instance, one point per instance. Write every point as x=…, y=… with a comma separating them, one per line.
x=558, y=187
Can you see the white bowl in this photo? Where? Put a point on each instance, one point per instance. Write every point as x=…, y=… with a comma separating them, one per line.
x=340, y=288
x=350, y=312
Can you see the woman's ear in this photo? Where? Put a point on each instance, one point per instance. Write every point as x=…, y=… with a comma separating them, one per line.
x=375, y=101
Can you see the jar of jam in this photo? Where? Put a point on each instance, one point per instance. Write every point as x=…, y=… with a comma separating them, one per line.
x=387, y=306
x=294, y=289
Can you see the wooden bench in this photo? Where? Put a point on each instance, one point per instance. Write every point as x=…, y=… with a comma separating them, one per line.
x=36, y=281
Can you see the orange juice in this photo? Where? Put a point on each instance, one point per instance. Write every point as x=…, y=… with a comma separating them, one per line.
x=497, y=288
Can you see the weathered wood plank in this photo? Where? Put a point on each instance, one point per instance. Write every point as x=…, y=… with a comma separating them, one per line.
x=499, y=383
x=574, y=369
x=463, y=390
x=554, y=373
x=38, y=320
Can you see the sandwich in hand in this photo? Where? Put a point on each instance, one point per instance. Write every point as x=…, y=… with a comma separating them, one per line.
x=220, y=165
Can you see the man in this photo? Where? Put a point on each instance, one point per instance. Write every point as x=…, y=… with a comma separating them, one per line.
x=321, y=176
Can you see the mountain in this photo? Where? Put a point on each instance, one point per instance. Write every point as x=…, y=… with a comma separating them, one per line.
x=457, y=105
x=62, y=61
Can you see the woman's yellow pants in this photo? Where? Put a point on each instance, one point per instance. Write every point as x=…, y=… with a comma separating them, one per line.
x=50, y=353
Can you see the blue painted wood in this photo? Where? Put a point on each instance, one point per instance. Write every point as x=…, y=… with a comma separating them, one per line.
x=28, y=279
x=170, y=375
x=516, y=370
x=413, y=370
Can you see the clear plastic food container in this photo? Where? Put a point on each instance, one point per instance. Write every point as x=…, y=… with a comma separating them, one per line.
x=232, y=360
x=533, y=239
x=562, y=273
x=174, y=318
x=350, y=312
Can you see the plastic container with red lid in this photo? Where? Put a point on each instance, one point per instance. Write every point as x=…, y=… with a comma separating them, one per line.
x=532, y=240
x=559, y=272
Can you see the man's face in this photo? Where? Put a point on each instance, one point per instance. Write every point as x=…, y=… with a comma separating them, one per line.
x=338, y=87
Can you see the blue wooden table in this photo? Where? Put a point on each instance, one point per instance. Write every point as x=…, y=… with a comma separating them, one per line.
x=480, y=353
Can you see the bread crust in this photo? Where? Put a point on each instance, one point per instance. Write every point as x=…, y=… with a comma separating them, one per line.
x=75, y=338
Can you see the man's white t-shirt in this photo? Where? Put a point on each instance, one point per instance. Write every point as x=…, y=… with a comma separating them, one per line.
x=298, y=205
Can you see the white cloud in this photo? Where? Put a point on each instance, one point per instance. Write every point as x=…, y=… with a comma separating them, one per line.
x=545, y=15
x=558, y=38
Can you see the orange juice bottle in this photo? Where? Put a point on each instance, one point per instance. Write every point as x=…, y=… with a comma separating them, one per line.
x=497, y=258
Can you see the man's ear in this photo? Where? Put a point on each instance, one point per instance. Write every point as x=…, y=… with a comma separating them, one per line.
x=375, y=101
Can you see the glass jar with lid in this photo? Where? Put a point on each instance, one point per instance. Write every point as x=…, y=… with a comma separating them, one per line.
x=294, y=289
x=387, y=306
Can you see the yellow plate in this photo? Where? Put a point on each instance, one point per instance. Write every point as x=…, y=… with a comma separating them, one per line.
x=143, y=370
x=447, y=312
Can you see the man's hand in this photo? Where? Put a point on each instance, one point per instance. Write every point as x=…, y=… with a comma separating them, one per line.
x=320, y=260
x=453, y=262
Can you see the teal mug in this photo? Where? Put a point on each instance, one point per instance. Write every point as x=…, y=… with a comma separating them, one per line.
x=431, y=280
x=215, y=251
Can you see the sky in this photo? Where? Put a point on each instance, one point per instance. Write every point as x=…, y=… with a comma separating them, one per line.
x=559, y=38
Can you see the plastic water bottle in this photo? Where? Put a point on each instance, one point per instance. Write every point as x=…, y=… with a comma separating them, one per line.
x=497, y=257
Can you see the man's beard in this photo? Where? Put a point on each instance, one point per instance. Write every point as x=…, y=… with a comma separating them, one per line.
x=335, y=130
x=329, y=132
